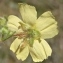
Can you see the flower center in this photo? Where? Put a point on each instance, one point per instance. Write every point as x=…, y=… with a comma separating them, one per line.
x=33, y=34
x=30, y=34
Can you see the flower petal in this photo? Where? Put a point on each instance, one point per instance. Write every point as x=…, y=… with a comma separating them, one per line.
x=28, y=13
x=47, y=25
x=23, y=54
x=50, y=32
x=15, y=44
x=46, y=47
x=13, y=23
x=12, y=27
x=37, y=52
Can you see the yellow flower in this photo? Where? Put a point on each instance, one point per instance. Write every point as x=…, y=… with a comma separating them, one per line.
x=31, y=32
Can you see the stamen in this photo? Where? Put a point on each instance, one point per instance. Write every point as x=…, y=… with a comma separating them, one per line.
x=21, y=35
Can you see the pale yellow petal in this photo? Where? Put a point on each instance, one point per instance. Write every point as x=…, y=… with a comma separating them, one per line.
x=12, y=19
x=37, y=52
x=45, y=20
x=47, y=24
x=15, y=44
x=23, y=54
x=28, y=13
x=12, y=27
x=50, y=32
x=13, y=22
x=47, y=48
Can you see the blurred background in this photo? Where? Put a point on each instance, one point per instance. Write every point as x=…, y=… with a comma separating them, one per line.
x=8, y=7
